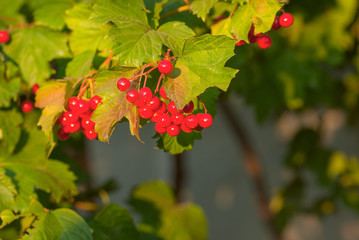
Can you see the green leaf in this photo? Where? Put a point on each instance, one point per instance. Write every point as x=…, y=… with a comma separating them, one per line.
x=10, y=131
x=173, y=35
x=8, y=89
x=10, y=8
x=157, y=9
x=115, y=106
x=80, y=65
x=176, y=145
x=32, y=48
x=52, y=13
x=61, y=224
x=114, y=222
x=201, y=66
x=261, y=13
x=86, y=35
x=222, y=27
x=51, y=97
x=202, y=7
x=7, y=216
x=7, y=192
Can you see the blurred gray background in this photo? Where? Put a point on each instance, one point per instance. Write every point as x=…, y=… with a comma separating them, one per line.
x=215, y=175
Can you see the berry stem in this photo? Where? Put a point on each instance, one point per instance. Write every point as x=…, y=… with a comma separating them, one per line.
x=158, y=84
x=233, y=10
x=204, y=106
x=107, y=62
x=180, y=9
x=83, y=89
x=91, y=82
x=11, y=19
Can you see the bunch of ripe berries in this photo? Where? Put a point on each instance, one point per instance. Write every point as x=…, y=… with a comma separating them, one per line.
x=167, y=117
x=78, y=116
x=265, y=41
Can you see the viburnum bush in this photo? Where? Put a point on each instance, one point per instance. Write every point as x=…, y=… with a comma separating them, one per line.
x=75, y=69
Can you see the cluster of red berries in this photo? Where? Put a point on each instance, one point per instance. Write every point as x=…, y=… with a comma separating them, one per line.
x=167, y=117
x=264, y=40
x=78, y=116
x=4, y=36
x=27, y=105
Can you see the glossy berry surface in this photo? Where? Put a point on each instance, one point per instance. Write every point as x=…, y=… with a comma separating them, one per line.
x=286, y=20
x=205, y=120
x=191, y=121
x=165, y=67
x=188, y=108
x=132, y=96
x=27, y=106
x=34, y=88
x=154, y=104
x=160, y=129
x=73, y=101
x=173, y=130
x=163, y=93
x=145, y=112
x=145, y=94
x=123, y=84
x=82, y=106
x=90, y=134
x=264, y=41
x=276, y=25
x=69, y=117
x=72, y=127
x=164, y=120
x=4, y=36
x=94, y=101
x=86, y=123
x=186, y=129
x=171, y=108
x=177, y=118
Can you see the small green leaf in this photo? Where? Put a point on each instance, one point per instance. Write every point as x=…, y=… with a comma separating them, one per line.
x=65, y=224
x=176, y=145
x=32, y=48
x=202, y=7
x=115, y=106
x=114, y=222
x=201, y=66
x=222, y=27
x=10, y=121
x=80, y=64
x=173, y=35
x=7, y=193
x=52, y=13
x=7, y=216
x=8, y=89
x=10, y=8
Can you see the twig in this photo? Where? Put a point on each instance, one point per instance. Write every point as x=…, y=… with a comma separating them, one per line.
x=180, y=9
x=179, y=175
x=253, y=168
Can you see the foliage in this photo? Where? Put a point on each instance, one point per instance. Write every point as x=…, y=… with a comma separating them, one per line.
x=82, y=48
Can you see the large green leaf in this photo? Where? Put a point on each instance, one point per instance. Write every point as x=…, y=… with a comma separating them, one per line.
x=7, y=191
x=162, y=218
x=10, y=131
x=32, y=48
x=115, y=106
x=114, y=222
x=52, y=13
x=202, y=7
x=60, y=224
x=201, y=66
x=86, y=35
x=80, y=65
x=176, y=145
x=8, y=89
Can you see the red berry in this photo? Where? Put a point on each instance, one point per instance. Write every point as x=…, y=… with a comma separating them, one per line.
x=177, y=118
x=156, y=116
x=140, y=102
x=123, y=84
x=188, y=108
x=82, y=106
x=132, y=96
x=145, y=94
x=163, y=93
x=4, y=37
x=62, y=135
x=90, y=133
x=164, y=120
x=165, y=67
x=27, y=106
x=185, y=128
x=191, y=121
x=59, y=119
x=72, y=127
x=264, y=41
x=35, y=88
x=160, y=129
x=162, y=108
x=251, y=37
x=72, y=103
x=205, y=120
x=86, y=123
x=145, y=112
x=173, y=130
x=69, y=117
x=94, y=101
x=276, y=25
x=172, y=108
x=154, y=104
x=240, y=43
x=286, y=20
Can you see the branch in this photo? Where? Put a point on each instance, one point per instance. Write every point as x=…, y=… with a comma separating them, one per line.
x=178, y=175
x=253, y=168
